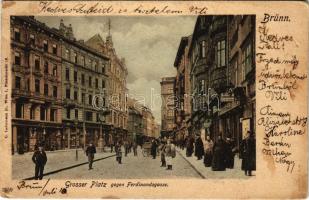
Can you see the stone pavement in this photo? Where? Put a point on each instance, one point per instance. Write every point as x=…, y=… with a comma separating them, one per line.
x=23, y=166
x=207, y=173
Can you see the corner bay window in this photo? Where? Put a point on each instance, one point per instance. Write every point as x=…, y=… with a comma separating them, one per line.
x=220, y=53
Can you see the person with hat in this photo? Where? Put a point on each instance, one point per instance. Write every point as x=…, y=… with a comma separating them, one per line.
x=39, y=158
x=199, y=147
x=90, y=151
x=248, y=152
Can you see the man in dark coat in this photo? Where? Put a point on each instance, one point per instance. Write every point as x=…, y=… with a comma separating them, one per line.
x=229, y=154
x=218, y=160
x=199, y=147
x=154, y=146
x=90, y=151
x=248, y=152
x=118, y=152
x=39, y=158
x=190, y=143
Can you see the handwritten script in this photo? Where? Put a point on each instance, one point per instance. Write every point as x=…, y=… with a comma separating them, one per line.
x=279, y=82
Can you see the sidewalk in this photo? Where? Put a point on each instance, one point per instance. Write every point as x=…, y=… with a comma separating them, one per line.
x=23, y=167
x=207, y=173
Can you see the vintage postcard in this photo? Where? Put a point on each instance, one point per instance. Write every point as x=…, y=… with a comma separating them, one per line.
x=154, y=99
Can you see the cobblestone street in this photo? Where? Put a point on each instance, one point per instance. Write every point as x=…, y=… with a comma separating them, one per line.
x=63, y=165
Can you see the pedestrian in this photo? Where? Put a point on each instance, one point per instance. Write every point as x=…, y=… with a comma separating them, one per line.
x=189, y=145
x=199, y=147
x=154, y=148
x=126, y=147
x=118, y=152
x=162, y=149
x=229, y=153
x=39, y=158
x=208, y=147
x=135, y=148
x=170, y=154
x=218, y=160
x=248, y=148
x=90, y=151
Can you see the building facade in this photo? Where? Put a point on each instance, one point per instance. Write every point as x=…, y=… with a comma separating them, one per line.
x=168, y=106
x=117, y=73
x=182, y=88
x=83, y=80
x=36, y=85
x=222, y=63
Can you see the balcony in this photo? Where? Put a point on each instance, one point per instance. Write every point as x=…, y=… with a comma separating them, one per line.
x=21, y=69
x=218, y=79
x=69, y=103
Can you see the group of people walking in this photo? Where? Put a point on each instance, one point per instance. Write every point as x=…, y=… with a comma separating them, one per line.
x=220, y=154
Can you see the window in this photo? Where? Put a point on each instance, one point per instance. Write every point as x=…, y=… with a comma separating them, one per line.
x=67, y=74
x=55, y=49
x=19, y=110
x=68, y=113
x=37, y=63
x=88, y=116
x=82, y=62
x=75, y=76
x=96, y=83
x=32, y=39
x=83, y=79
x=28, y=84
x=46, y=89
x=90, y=63
x=53, y=113
x=103, y=69
x=83, y=97
x=45, y=45
x=90, y=81
x=76, y=113
x=17, y=34
x=103, y=83
x=32, y=112
x=46, y=67
x=68, y=93
x=42, y=113
x=75, y=57
x=89, y=99
x=75, y=95
x=17, y=82
x=67, y=54
x=55, y=91
x=247, y=59
x=17, y=58
x=37, y=85
x=220, y=53
x=55, y=70
x=203, y=49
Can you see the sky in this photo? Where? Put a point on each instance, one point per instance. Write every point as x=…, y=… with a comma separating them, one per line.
x=148, y=44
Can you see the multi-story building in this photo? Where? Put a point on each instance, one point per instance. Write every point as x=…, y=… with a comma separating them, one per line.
x=117, y=73
x=182, y=88
x=83, y=79
x=135, y=121
x=168, y=106
x=36, y=85
x=223, y=76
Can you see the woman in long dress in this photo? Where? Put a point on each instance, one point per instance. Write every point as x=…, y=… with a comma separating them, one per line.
x=208, y=146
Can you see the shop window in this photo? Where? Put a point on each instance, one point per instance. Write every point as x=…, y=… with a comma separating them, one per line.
x=17, y=82
x=17, y=58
